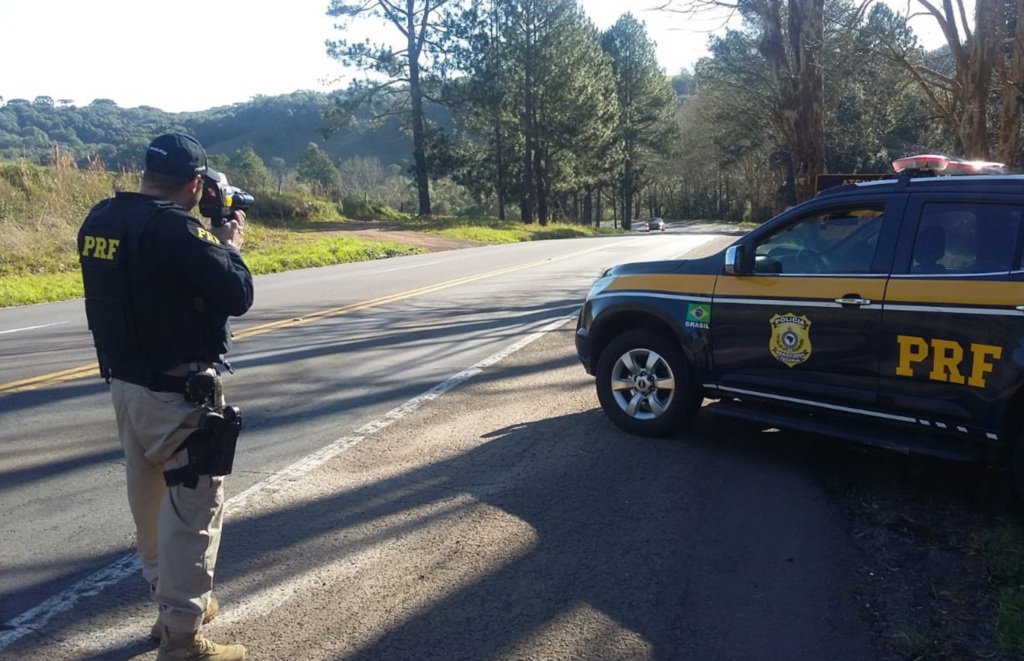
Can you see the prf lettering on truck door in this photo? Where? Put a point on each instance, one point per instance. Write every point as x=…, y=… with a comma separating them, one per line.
x=951, y=361
x=100, y=247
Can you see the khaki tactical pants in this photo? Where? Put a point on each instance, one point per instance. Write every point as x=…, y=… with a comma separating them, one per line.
x=177, y=529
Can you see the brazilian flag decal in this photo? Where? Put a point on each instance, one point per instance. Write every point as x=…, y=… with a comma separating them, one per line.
x=698, y=315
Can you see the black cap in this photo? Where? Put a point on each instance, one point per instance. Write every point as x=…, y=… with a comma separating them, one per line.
x=176, y=155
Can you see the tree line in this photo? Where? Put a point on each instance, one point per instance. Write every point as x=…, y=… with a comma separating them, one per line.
x=524, y=108
x=550, y=114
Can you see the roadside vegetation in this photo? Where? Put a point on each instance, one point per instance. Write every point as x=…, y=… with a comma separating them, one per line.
x=941, y=550
x=42, y=207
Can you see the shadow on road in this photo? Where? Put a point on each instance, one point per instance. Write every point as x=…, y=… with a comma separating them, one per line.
x=726, y=542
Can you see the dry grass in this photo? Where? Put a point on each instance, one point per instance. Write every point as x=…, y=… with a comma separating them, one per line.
x=41, y=209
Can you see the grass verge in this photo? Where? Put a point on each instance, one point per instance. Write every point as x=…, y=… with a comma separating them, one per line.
x=42, y=208
x=1006, y=565
x=489, y=230
x=49, y=272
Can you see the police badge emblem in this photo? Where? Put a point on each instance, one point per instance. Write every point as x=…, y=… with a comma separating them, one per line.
x=791, y=341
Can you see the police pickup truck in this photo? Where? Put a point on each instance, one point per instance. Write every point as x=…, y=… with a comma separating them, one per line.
x=888, y=312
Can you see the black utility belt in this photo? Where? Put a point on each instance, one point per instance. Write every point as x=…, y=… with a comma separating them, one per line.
x=199, y=387
x=155, y=382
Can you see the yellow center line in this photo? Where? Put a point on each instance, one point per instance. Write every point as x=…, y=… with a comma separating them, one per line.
x=53, y=378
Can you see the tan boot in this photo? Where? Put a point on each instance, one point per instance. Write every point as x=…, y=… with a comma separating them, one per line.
x=212, y=608
x=193, y=646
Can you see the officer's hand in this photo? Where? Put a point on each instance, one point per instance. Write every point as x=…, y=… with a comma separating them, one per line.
x=231, y=232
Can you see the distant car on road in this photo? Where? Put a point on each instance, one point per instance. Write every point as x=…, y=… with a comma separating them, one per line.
x=655, y=224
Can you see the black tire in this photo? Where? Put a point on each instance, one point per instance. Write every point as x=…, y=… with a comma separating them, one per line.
x=644, y=384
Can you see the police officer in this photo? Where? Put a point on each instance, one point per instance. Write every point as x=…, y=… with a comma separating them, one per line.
x=159, y=288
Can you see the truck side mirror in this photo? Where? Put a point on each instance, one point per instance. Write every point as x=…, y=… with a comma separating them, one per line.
x=734, y=257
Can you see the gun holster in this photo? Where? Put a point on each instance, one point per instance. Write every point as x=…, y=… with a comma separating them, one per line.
x=211, y=448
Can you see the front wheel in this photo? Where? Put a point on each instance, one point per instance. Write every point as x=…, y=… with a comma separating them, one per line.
x=643, y=384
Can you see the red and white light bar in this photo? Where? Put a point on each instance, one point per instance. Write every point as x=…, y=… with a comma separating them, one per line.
x=947, y=165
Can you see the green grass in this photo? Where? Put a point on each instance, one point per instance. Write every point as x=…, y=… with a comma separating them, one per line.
x=1006, y=566
x=911, y=644
x=287, y=253
x=492, y=230
x=39, y=288
x=297, y=252
x=42, y=207
x=49, y=272
x=1010, y=624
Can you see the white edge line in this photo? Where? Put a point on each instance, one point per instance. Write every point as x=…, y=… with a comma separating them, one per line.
x=405, y=268
x=36, y=618
x=28, y=328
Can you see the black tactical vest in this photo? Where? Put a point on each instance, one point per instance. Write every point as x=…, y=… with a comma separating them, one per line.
x=142, y=322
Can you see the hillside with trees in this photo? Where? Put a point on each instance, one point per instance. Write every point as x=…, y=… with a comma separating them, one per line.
x=523, y=109
x=274, y=127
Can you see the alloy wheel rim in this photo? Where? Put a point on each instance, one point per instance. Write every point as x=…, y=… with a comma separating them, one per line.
x=643, y=384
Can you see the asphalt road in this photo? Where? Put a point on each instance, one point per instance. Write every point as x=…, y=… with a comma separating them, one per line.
x=428, y=476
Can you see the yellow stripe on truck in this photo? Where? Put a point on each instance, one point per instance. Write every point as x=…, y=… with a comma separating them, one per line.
x=803, y=287
x=694, y=285
x=990, y=293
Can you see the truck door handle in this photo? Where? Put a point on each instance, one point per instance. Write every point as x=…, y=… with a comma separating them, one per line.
x=853, y=299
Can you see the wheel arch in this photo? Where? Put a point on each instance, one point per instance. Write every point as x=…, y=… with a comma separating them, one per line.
x=615, y=322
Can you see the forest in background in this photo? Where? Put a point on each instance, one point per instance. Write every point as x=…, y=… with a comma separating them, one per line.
x=534, y=112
